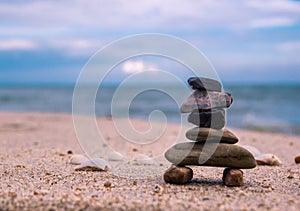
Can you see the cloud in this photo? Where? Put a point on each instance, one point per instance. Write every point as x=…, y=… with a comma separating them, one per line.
x=72, y=47
x=272, y=22
x=17, y=44
x=189, y=14
x=75, y=47
x=79, y=28
x=230, y=32
x=282, y=6
x=138, y=66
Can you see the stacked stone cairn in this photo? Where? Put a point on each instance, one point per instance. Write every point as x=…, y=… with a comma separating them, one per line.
x=211, y=144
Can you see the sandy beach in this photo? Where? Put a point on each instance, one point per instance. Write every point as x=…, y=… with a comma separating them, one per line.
x=35, y=173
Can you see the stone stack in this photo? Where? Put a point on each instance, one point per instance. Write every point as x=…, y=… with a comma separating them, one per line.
x=211, y=144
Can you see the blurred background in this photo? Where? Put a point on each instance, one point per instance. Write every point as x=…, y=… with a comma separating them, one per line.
x=253, y=45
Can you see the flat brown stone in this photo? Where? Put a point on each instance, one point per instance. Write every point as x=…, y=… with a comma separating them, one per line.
x=213, y=154
x=211, y=135
x=233, y=177
x=178, y=175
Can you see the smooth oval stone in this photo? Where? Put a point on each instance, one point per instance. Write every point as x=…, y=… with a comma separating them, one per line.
x=212, y=119
x=211, y=135
x=203, y=100
x=142, y=159
x=233, y=177
x=178, y=175
x=268, y=159
x=225, y=155
x=203, y=84
x=78, y=159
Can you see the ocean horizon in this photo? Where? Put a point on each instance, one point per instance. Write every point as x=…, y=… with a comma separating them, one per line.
x=257, y=106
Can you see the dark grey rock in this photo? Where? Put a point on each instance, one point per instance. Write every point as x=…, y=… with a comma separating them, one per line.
x=233, y=177
x=212, y=118
x=211, y=135
x=203, y=84
x=203, y=100
x=178, y=175
x=225, y=155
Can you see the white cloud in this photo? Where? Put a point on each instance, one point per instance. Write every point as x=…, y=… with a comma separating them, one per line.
x=75, y=47
x=72, y=47
x=32, y=31
x=17, y=44
x=133, y=67
x=169, y=14
x=81, y=28
x=274, y=5
x=271, y=22
x=137, y=67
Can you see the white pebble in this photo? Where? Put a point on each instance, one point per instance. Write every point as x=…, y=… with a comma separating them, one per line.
x=142, y=159
x=95, y=164
x=268, y=159
x=115, y=156
x=77, y=159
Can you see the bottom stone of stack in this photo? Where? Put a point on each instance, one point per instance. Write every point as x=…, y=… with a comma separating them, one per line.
x=178, y=175
x=210, y=154
x=233, y=177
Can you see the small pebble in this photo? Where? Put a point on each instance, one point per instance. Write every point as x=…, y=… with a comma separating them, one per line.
x=115, y=156
x=158, y=189
x=266, y=186
x=69, y=152
x=20, y=166
x=268, y=159
x=95, y=164
x=178, y=175
x=142, y=159
x=107, y=184
x=233, y=177
x=297, y=159
x=77, y=159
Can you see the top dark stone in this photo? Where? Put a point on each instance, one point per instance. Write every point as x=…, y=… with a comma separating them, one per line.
x=200, y=83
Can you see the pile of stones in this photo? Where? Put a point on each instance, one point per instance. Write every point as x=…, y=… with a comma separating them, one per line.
x=211, y=144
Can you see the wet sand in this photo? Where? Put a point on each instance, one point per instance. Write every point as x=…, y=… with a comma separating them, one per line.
x=35, y=172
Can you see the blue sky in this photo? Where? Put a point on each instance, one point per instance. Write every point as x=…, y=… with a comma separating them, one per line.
x=247, y=41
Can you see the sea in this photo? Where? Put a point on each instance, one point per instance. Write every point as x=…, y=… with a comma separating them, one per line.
x=270, y=108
